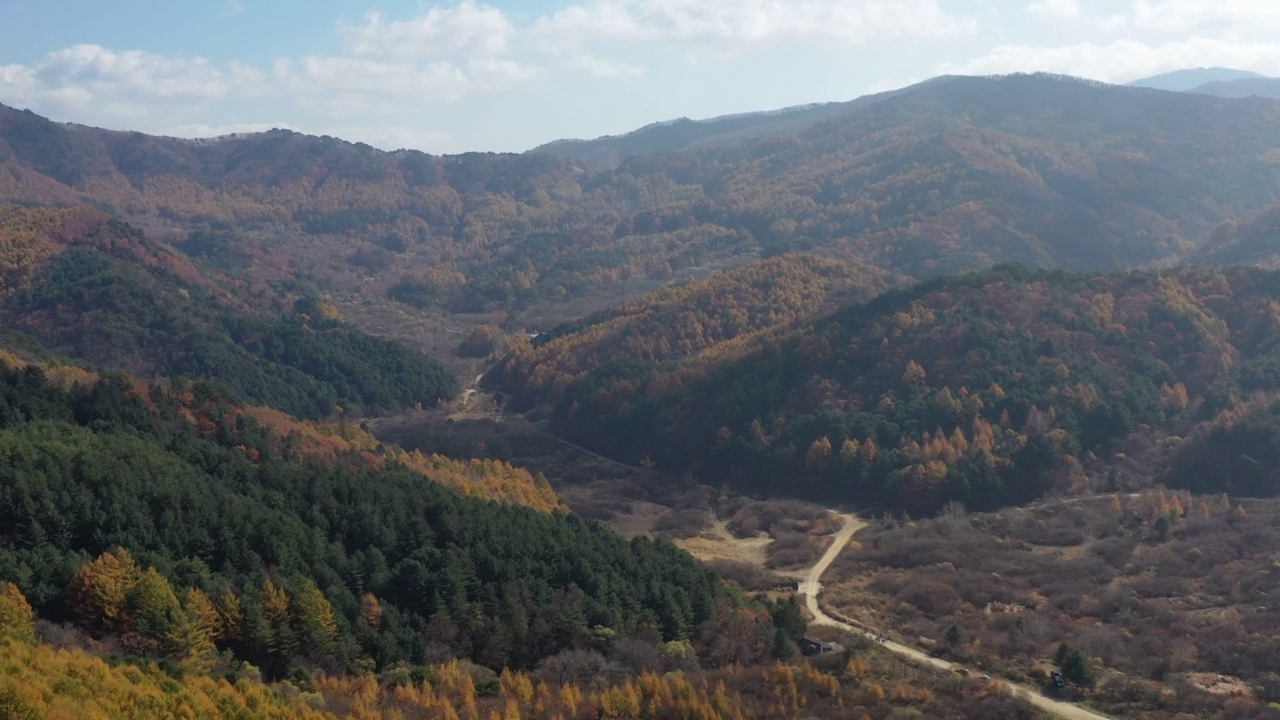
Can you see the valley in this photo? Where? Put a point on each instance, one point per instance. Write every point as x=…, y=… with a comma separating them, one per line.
x=558, y=434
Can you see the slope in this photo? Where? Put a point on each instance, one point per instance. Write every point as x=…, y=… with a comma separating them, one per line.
x=989, y=388
x=1252, y=241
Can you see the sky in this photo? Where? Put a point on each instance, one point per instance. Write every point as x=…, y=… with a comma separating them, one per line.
x=502, y=75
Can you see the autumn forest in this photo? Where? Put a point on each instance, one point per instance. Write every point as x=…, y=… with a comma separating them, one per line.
x=295, y=427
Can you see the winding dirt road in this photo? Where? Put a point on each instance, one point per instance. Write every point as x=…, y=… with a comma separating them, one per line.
x=811, y=586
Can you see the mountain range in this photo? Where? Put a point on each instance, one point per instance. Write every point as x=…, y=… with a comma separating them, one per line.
x=969, y=292
x=952, y=174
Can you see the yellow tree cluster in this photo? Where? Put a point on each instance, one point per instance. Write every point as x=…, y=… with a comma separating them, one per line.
x=452, y=693
x=37, y=681
x=17, y=621
x=330, y=442
x=24, y=245
x=488, y=479
x=940, y=447
x=113, y=594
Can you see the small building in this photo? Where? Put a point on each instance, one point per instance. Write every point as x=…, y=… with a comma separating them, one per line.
x=813, y=646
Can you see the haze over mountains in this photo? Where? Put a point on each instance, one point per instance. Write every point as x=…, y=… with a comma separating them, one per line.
x=1189, y=79
x=1219, y=82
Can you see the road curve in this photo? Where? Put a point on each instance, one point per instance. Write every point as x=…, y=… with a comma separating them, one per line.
x=811, y=586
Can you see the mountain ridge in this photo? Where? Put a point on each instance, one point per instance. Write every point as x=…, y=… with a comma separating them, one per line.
x=950, y=174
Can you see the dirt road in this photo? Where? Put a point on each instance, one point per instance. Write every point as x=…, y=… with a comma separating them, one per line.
x=812, y=585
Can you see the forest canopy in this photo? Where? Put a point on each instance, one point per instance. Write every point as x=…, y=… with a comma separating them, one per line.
x=162, y=516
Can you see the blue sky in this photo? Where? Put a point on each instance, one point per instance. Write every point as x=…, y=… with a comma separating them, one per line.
x=503, y=75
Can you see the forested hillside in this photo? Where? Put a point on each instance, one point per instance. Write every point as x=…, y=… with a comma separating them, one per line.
x=686, y=320
x=97, y=290
x=956, y=173
x=1251, y=241
x=989, y=388
x=176, y=524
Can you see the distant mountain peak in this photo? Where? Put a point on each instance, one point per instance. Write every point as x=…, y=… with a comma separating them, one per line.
x=1189, y=79
x=679, y=134
x=686, y=120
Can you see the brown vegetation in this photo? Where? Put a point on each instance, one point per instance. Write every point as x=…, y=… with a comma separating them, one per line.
x=1157, y=591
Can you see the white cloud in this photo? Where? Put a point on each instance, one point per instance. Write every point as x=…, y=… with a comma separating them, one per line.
x=321, y=75
x=132, y=73
x=18, y=84
x=489, y=74
x=384, y=68
x=752, y=22
x=1058, y=9
x=373, y=84
x=119, y=86
x=205, y=130
x=448, y=52
x=466, y=29
x=441, y=55
x=1179, y=16
x=602, y=68
x=1124, y=60
x=395, y=137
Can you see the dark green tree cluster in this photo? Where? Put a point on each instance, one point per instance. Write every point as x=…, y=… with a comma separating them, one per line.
x=1075, y=666
x=1238, y=454
x=220, y=504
